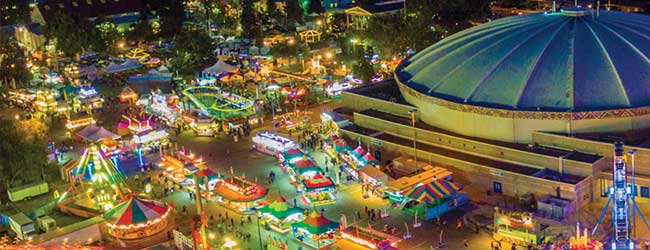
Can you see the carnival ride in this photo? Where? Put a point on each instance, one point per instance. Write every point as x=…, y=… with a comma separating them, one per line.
x=518, y=227
x=624, y=204
x=217, y=103
x=95, y=184
x=136, y=218
x=163, y=106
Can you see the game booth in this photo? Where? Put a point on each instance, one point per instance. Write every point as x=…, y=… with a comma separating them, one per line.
x=240, y=194
x=164, y=107
x=316, y=230
x=431, y=200
x=356, y=159
x=319, y=190
x=128, y=95
x=335, y=147
x=301, y=168
x=293, y=121
x=137, y=218
x=87, y=100
x=272, y=144
x=370, y=238
x=290, y=155
x=204, y=176
x=133, y=125
x=177, y=166
x=202, y=125
x=279, y=217
x=79, y=122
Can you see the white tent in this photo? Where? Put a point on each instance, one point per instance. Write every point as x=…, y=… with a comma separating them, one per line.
x=94, y=133
x=219, y=67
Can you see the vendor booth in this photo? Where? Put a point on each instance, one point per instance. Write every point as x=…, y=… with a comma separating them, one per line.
x=316, y=230
x=269, y=143
x=431, y=200
x=278, y=216
x=319, y=191
x=239, y=194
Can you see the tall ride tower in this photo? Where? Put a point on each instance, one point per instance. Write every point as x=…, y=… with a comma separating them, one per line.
x=621, y=193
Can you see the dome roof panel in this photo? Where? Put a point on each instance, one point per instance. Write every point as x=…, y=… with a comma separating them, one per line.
x=573, y=62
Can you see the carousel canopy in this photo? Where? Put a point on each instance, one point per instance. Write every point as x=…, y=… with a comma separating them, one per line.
x=279, y=209
x=135, y=211
x=438, y=189
x=316, y=223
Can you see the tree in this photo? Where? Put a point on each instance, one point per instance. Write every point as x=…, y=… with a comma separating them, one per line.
x=363, y=70
x=315, y=6
x=140, y=32
x=12, y=59
x=193, y=51
x=171, y=14
x=14, y=12
x=71, y=33
x=23, y=152
x=294, y=13
x=106, y=36
x=249, y=20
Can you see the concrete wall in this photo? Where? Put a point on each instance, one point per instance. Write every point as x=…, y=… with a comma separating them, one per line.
x=513, y=129
x=513, y=184
x=642, y=157
x=358, y=103
x=474, y=147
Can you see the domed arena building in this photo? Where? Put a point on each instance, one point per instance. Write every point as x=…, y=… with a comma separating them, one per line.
x=523, y=104
x=572, y=71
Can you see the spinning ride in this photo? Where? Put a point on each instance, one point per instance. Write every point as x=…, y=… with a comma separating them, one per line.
x=136, y=218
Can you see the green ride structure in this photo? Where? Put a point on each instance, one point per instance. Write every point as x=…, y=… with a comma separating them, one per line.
x=216, y=103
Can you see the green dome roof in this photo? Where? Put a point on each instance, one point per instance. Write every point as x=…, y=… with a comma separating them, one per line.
x=575, y=60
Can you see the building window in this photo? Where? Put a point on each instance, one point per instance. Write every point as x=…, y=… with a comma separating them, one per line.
x=645, y=191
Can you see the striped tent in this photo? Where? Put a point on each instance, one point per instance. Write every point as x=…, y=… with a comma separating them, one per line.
x=358, y=152
x=135, y=211
x=368, y=159
x=341, y=146
x=280, y=209
x=430, y=192
x=291, y=154
x=317, y=224
x=318, y=182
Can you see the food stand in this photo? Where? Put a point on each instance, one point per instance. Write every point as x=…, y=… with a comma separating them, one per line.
x=370, y=238
x=202, y=125
x=278, y=216
x=179, y=165
x=239, y=194
x=269, y=143
x=315, y=230
x=318, y=191
x=79, y=122
x=299, y=168
x=128, y=95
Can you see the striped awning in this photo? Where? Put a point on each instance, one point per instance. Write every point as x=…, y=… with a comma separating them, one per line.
x=438, y=189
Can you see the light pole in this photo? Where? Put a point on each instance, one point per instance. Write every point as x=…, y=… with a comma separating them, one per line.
x=415, y=148
x=259, y=230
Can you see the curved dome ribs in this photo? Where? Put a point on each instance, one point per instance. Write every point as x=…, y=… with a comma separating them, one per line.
x=535, y=41
x=540, y=62
x=473, y=58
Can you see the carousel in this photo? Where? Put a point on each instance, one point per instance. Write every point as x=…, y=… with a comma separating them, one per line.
x=239, y=194
x=318, y=191
x=137, y=218
x=315, y=230
x=278, y=216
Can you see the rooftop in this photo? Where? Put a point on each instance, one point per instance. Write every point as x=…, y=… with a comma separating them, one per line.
x=537, y=149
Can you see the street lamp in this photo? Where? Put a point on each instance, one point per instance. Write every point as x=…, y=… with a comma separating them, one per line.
x=258, y=215
x=415, y=149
